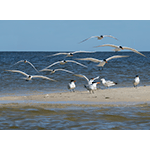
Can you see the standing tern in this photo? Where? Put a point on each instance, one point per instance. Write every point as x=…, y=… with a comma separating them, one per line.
x=70, y=54
x=71, y=85
x=29, y=77
x=25, y=61
x=99, y=37
x=102, y=62
x=119, y=48
x=136, y=81
x=83, y=76
x=54, y=70
x=108, y=83
x=92, y=87
x=64, y=62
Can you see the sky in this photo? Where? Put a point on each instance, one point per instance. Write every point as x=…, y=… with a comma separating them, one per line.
x=65, y=35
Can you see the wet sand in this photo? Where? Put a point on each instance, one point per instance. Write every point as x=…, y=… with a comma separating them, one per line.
x=112, y=96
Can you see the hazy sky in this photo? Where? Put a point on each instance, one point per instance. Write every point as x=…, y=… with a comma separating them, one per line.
x=57, y=35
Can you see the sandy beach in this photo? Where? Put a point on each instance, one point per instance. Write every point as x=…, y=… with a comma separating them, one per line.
x=112, y=96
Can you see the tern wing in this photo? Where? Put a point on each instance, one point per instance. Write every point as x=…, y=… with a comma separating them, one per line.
x=53, y=64
x=32, y=66
x=96, y=78
x=111, y=45
x=134, y=50
x=82, y=52
x=18, y=62
x=110, y=36
x=81, y=76
x=90, y=59
x=44, y=77
x=18, y=72
x=76, y=63
x=57, y=54
x=46, y=70
x=64, y=70
x=116, y=56
x=88, y=38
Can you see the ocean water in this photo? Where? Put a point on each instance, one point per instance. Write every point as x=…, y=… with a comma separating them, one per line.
x=54, y=116
x=120, y=70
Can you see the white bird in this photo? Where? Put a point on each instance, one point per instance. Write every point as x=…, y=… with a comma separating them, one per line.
x=64, y=62
x=25, y=61
x=54, y=70
x=92, y=87
x=102, y=62
x=99, y=37
x=107, y=83
x=136, y=81
x=70, y=54
x=119, y=48
x=71, y=85
x=83, y=76
x=29, y=77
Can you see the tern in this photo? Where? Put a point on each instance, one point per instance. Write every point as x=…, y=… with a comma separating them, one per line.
x=64, y=62
x=54, y=70
x=83, y=76
x=136, y=81
x=102, y=62
x=70, y=54
x=119, y=48
x=99, y=37
x=25, y=61
x=29, y=77
x=71, y=85
x=108, y=83
x=92, y=87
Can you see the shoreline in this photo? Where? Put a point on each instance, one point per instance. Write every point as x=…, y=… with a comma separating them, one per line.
x=128, y=95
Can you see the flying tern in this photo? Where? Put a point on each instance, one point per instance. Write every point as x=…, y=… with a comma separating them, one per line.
x=99, y=37
x=64, y=62
x=70, y=54
x=29, y=77
x=92, y=87
x=119, y=48
x=25, y=61
x=102, y=62
x=71, y=85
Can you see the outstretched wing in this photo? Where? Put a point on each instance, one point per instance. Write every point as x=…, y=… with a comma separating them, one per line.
x=134, y=50
x=76, y=63
x=18, y=62
x=57, y=54
x=116, y=56
x=64, y=70
x=18, y=72
x=110, y=36
x=81, y=76
x=53, y=64
x=43, y=77
x=32, y=66
x=46, y=70
x=88, y=38
x=111, y=45
x=91, y=59
x=83, y=52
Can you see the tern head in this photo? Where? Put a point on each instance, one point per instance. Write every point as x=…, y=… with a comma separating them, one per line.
x=29, y=76
x=102, y=79
x=121, y=47
x=70, y=54
x=72, y=81
x=136, y=76
x=105, y=60
x=25, y=61
x=101, y=36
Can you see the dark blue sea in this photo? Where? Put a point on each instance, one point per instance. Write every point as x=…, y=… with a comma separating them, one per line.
x=120, y=70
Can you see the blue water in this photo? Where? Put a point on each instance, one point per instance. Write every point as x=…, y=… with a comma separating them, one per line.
x=121, y=70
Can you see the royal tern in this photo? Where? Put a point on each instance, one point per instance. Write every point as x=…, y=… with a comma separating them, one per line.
x=102, y=62
x=54, y=70
x=64, y=62
x=70, y=54
x=29, y=77
x=92, y=87
x=136, y=81
x=99, y=37
x=71, y=85
x=118, y=48
x=107, y=83
x=83, y=76
x=25, y=61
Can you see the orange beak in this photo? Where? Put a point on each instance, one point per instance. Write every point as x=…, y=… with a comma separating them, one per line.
x=74, y=81
x=106, y=62
x=98, y=82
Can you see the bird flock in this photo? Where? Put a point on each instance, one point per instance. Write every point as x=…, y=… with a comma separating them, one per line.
x=91, y=85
